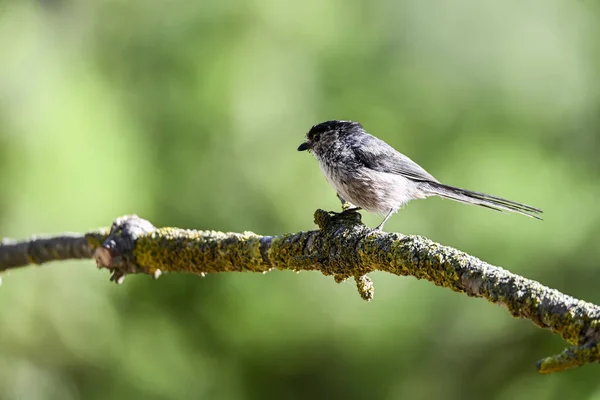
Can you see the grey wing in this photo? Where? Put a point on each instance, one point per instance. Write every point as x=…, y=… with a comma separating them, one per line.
x=377, y=155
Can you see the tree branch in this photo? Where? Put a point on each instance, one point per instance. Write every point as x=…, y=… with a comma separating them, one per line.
x=39, y=250
x=343, y=247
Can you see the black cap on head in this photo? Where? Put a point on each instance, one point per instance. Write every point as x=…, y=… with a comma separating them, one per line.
x=339, y=125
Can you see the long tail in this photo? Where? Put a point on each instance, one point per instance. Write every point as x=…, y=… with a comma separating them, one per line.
x=480, y=199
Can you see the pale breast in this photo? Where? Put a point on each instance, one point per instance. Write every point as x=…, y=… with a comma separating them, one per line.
x=371, y=190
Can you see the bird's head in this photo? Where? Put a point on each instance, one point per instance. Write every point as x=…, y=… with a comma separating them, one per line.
x=329, y=135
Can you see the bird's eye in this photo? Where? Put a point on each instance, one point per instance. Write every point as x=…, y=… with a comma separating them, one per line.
x=314, y=136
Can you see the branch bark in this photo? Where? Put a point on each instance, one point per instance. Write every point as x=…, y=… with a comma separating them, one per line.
x=342, y=247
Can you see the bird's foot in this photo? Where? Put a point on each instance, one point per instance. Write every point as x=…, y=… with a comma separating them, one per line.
x=346, y=205
x=345, y=211
x=349, y=206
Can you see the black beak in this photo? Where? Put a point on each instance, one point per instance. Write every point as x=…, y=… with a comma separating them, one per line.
x=304, y=146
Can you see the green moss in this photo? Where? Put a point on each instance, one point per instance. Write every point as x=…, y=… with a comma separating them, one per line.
x=344, y=248
x=571, y=357
x=198, y=252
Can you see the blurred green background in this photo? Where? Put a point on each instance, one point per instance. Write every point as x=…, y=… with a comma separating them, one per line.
x=189, y=113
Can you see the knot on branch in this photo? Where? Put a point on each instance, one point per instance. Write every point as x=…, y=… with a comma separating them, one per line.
x=116, y=253
x=325, y=219
x=365, y=287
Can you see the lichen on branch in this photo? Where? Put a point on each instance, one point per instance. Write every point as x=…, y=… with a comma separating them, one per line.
x=342, y=247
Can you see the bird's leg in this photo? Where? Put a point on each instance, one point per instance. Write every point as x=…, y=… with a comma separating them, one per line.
x=347, y=207
x=389, y=214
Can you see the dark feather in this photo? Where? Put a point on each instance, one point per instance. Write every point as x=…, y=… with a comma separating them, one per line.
x=377, y=155
x=481, y=199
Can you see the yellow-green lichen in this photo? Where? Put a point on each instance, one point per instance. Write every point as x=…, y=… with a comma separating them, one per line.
x=179, y=250
x=97, y=237
x=343, y=248
x=571, y=357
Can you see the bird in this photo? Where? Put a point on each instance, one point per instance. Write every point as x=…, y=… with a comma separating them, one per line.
x=371, y=175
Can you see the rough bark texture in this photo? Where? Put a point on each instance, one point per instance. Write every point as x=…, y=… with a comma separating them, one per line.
x=343, y=247
x=39, y=250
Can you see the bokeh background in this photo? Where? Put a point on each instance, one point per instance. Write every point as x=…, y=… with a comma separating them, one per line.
x=189, y=113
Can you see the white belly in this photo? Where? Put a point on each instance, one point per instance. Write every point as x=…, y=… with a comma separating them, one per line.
x=374, y=191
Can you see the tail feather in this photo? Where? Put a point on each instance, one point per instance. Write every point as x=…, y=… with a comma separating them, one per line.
x=481, y=199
